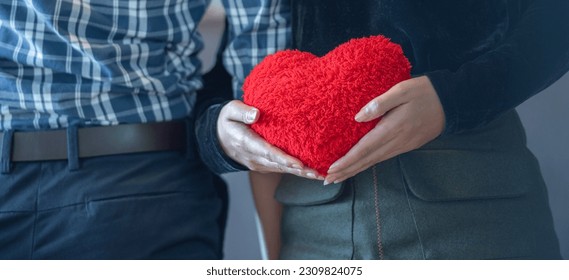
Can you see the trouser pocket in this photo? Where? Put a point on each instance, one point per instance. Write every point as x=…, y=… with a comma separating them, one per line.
x=316, y=221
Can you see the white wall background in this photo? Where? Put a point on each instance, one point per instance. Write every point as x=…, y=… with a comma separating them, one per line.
x=545, y=117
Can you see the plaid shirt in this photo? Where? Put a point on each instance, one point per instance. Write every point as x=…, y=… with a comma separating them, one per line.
x=104, y=62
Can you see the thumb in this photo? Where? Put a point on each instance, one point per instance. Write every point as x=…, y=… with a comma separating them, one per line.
x=381, y=104
x=241, y=112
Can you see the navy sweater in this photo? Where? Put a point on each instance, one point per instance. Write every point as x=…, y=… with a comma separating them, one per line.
x=484, y=57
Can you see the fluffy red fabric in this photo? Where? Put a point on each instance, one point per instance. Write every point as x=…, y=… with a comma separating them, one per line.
x=307, y=104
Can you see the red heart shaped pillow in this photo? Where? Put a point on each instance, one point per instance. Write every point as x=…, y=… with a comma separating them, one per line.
x=307, y=103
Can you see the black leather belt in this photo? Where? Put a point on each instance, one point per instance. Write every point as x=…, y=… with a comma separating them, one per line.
x=99, y=141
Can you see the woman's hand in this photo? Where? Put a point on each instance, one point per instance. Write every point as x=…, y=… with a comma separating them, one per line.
x=412, y=116
x=245, y=146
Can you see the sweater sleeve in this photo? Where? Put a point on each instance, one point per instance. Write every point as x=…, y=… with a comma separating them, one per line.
x=256, y=28
x=533, y=56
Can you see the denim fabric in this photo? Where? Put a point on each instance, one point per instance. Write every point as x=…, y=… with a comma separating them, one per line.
x=140, y=206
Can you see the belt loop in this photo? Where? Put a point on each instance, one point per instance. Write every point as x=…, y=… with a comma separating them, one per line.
x=72, y=147
x=6, y=152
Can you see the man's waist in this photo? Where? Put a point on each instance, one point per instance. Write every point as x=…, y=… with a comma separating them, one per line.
x=59, y=144
x=118, y=108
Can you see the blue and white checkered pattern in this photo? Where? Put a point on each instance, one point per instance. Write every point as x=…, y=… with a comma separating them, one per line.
x=104, y=62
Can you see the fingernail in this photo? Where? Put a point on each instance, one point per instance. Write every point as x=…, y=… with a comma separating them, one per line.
x=252, y=115
x=311, y=175
x=371, y=108
x=359, y=117
x=326, y=183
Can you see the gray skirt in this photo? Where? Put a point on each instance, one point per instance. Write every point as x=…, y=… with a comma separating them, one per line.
x=477, y=195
